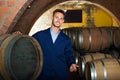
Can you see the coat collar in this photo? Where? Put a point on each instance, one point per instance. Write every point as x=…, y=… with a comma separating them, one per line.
x=58, y=38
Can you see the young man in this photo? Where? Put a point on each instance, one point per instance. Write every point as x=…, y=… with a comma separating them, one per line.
x=57, y=50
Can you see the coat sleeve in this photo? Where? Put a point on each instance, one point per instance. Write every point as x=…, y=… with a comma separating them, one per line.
x=69, y=53
x=37, y=36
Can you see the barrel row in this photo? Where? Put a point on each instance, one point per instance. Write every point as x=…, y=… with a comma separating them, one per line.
x=93, y=39
x=20, y=57
x=97, y=44
x=86, y=65
x=103, y=69
x=82, y=60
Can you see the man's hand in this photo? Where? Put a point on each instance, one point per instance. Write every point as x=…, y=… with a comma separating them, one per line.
x=17, y=32
x=73, y=67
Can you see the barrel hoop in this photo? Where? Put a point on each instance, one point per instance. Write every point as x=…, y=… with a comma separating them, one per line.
x=3, y=46
x=12, y=40
x=76, y=57
x=104, y=67
x=90, y=38
x=93, y=71
x=83, y=63
x=80, y=39
x=101, y=38
x=74, y=38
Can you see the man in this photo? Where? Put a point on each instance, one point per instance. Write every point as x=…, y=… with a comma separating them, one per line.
x=57, y=50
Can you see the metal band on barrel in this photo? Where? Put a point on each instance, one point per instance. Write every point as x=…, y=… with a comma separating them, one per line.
x=80, y=39
x=104, y=67
x=90, y=39
x=93, y=71
x=83, y=63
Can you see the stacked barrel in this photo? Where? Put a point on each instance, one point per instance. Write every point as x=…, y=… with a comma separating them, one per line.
x=98, y=49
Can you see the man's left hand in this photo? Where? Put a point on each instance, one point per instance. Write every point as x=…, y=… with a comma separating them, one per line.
x=73, y=67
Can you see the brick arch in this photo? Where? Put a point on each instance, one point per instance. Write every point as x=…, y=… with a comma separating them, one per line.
x=30, y=14
x=37, y=8
x=8, y=10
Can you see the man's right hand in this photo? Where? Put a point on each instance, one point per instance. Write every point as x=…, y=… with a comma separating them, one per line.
x=17, y=32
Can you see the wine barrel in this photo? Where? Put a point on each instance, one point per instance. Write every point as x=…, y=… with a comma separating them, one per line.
x=90, y=39
x=103, y=69
x=20, y=57
x=94, y=39
x=82, y=60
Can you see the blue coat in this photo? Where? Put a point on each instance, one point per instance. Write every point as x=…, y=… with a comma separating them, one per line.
x=57, y=57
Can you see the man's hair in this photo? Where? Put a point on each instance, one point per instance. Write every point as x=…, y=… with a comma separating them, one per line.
x=59, y=10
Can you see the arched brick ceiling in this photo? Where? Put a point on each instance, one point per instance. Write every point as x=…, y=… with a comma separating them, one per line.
x=35, y=8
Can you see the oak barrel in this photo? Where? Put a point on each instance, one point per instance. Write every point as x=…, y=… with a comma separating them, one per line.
x=20, y=57
x=103, y=69
x=90, y=39
x=82, y=60
x=94, y=39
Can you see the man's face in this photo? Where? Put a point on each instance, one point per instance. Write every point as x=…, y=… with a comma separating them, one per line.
x=58, y=19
